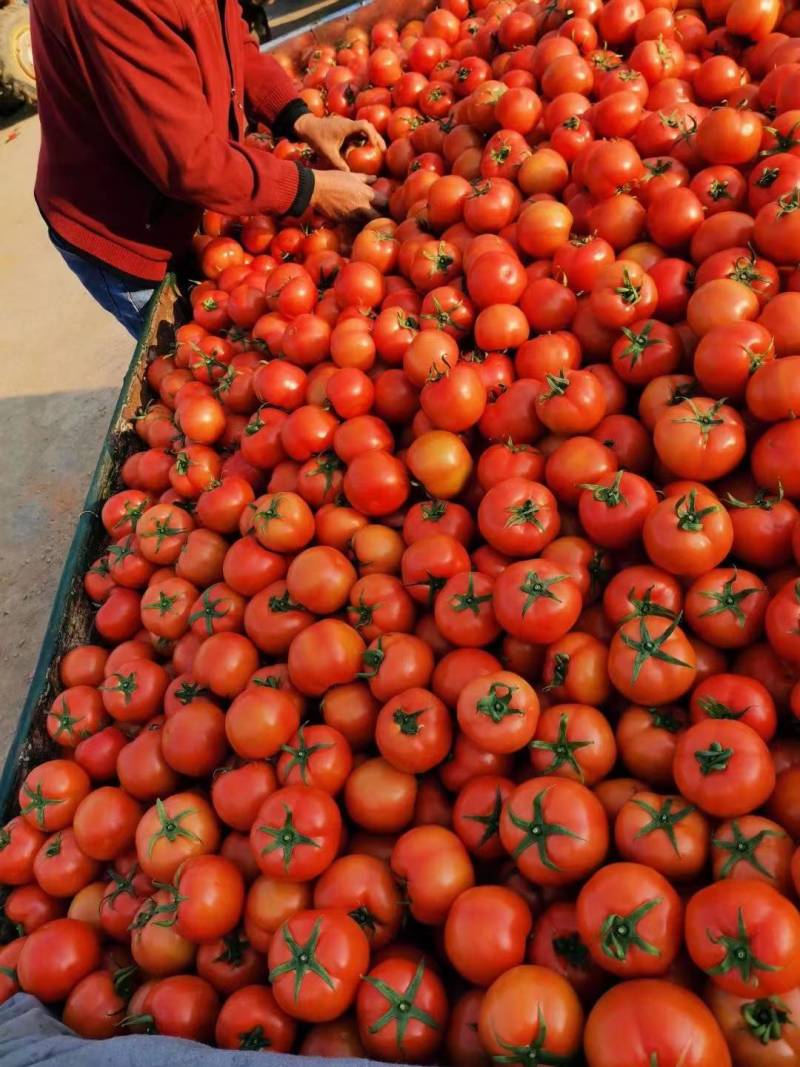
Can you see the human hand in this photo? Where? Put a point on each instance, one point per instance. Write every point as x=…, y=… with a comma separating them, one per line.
x=327, y=135
x=340, y=195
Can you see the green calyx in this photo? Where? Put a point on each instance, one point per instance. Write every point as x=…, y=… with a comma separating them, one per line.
x=303, y=959
x=663, y=819
x=690, y=519
x=469, y=601
x=536, y=588
x=524, y=514
x=738, y=952
x=765, y=1018
x=170, y=827
x=714, y=759
x=609, y=495
x=301, y=753
x=537, y=831
x=619, y=933
x=496, y=704
x=645, y=607
x=401, y=1006
x=533, y=1054
x=490, y=820
x=742, y=849
x=286, y=838
x=728, y=600
x=648, y=647
x=563, y=750
x=209, y=612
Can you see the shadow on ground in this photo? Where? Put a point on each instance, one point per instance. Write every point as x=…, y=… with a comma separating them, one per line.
x=44, y=485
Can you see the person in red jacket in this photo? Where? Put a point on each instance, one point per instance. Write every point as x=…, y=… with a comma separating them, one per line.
x=143, y=107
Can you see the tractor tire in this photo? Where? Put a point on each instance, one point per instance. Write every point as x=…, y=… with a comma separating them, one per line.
x=17, y=78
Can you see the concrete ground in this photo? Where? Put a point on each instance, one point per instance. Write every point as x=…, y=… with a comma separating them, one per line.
x=62, y=359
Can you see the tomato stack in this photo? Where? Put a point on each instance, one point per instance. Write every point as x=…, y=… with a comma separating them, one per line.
x=442, y=706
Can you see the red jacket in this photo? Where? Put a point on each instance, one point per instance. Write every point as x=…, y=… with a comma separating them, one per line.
x=142, y=109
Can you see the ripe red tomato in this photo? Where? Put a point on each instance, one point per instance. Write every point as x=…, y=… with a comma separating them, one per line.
x=316, y=961
x=295, y=834
x=555, y=830
x=745, y=935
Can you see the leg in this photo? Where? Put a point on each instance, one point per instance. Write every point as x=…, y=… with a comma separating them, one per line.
x=123, y=299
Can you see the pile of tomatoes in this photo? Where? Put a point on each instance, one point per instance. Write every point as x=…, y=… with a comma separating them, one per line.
x=442, y=707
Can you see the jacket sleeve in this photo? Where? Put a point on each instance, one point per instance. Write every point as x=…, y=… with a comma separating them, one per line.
x=270, y=91
x=146, y=82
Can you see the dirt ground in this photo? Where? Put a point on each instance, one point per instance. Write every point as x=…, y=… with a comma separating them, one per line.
x=62, y=359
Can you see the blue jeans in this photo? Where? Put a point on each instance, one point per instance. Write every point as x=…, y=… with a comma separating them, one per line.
x=123, y=297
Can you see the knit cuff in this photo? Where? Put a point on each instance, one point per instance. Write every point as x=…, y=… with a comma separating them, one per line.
x=283, y=126
x=305, y=190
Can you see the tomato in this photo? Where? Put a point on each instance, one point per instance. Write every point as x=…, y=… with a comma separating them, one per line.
x=518, y=516
x=296, y=832
x=51, y=793
x=573, y=741
x=316, y=961
x=646, y=738
x=700, y=438
x=476, y=814
x=753, y=847
x=441, y=462
x=326, y=653
x=527, y=606
x=338, y=1038
x=396, y=662
x=401, y=1010
x=493, y=204
x=19, y=844
x=171, y=831
x=499, y=712
x=688, y=534
x=744, y=935
x=663, y=832
x=463, y=610
x=376, y=483
x=250, y=1020
x=224, y=663
x=727, y=606
x=483, y=909
x=55, y=957
x=318, y=756
x=613, y=511
x=435, y=868
x=363, y=887
x=237, y=793
x=379, y=797
x=732, y=696
x=623, y=293
x=105, y=823
x=575, y=669
x=462, y=1041
x=531, y=1012
x=630, y=919
x=230, y=963
x=210, y=898
x=413, y=731
x=724, y=767
x=661, y=1021
x=351, y=709
x=135, y=692
x=555, y=830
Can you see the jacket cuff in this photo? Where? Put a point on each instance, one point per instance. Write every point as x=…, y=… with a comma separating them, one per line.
x=305, y=190
x=283, y=124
